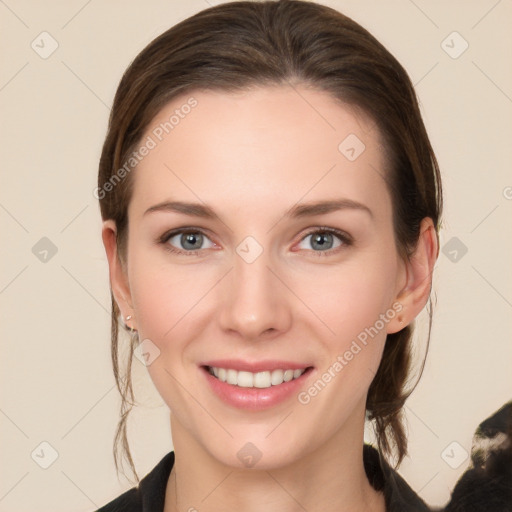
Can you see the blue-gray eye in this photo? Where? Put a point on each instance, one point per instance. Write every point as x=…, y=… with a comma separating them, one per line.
x=186, y=241
x=324, y=240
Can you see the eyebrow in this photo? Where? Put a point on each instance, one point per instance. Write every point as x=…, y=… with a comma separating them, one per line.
x=297, y=211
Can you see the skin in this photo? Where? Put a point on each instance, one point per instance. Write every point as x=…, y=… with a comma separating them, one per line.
x=251, y=156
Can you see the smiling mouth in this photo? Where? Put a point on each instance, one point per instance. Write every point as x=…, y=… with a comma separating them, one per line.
x=260, y=380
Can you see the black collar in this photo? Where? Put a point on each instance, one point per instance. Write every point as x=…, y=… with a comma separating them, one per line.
x=149, y=496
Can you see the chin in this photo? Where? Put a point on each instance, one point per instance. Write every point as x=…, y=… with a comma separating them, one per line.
x=256, y=452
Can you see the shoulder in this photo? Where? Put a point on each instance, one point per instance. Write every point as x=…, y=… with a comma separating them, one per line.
x=149, y=495
x=398, y=495
x=130, y=501
x=486, y=486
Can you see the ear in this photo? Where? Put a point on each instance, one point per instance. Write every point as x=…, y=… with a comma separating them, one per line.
x=118, y=275
x=413, y=295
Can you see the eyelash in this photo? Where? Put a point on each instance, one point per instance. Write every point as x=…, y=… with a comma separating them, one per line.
x=346, y=240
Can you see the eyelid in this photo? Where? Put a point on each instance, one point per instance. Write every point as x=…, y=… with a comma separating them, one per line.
x=184, y=229
x=164, y=239
x=343, y=236
x=346, y=239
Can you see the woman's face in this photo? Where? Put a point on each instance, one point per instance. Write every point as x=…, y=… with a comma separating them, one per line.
x=260, y=282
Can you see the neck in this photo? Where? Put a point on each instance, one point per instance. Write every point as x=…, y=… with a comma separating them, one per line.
x=332, y=478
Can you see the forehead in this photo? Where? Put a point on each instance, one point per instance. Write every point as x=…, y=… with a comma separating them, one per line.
x=254, y=149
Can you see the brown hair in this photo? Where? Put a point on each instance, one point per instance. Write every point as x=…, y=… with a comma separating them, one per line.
x=237, y=45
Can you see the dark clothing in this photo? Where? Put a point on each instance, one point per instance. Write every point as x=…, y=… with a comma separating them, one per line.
x=486, y=486
x=149, y=496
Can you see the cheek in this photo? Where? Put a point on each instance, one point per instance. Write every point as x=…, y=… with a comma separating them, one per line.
x=355, y=311
x=169, y=306
x=349, y=299
x=354, y=302
x=166, y=299
x=165, y=295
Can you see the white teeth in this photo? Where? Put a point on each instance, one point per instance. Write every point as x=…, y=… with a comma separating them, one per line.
x=245, y=379
x=288, y=375
x=231, y=377
x=277, y=377
x=255, y=380
x=262, y=380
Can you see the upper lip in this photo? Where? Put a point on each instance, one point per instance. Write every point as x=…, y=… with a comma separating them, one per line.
x=255, y=366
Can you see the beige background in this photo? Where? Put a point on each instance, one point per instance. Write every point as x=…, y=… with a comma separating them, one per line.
x=56, y=379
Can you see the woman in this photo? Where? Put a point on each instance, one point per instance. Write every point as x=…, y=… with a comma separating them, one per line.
x=271, y=207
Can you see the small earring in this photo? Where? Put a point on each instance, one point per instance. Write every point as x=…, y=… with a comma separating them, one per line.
x=128, y=327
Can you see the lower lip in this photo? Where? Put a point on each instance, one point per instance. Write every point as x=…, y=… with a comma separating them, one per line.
x=255, y=399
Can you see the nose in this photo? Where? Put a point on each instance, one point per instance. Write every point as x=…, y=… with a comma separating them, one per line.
x=254, y=302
